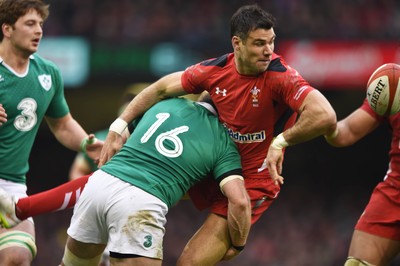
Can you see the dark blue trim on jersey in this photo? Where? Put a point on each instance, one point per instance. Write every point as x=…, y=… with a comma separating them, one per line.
x=280, y=124
x=232, y=172
x=131, y=127
x=276, y=66
x=220, y=61
x=123, y=256
x=133, y=124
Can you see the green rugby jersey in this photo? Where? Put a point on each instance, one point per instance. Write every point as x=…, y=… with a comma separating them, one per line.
x=176, y=143
x=27, y=98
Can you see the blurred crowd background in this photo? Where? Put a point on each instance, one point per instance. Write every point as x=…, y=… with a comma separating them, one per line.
x=112, y=44
x=203, y=24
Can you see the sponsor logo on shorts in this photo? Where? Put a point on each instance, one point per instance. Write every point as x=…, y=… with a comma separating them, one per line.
x=148, y=241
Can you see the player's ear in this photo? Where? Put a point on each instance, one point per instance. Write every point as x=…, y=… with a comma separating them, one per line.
x=6, y=29
x=236, y=43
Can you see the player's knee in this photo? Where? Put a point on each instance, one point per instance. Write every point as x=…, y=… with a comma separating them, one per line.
x=185, y=260
x=69, y=259
x=351, y=261
x=189, y=259
x=19, y=248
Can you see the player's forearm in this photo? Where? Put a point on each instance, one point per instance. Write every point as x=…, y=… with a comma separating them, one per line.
x=167, y=86
x=352, y=128
x=341, y=136
x=314, y=121
x=239, y=222
x=141, y=103
x=68, y=132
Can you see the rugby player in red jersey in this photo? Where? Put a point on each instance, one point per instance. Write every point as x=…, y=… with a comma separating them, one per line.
x=376, y=237
x=265, y=105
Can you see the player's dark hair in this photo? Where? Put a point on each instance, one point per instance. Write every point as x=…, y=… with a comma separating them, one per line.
x=248, y=18
x=12, y=10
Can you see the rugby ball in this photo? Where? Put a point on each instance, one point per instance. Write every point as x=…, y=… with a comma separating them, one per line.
x=383, y=89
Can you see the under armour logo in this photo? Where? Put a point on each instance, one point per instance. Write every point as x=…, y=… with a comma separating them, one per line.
x=218, y=91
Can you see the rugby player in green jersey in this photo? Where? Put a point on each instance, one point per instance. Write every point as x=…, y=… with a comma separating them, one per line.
x=175, y=144
x=170, y=150
x=31, y=88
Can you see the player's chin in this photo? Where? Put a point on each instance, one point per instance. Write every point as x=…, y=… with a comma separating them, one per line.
x=35, y=47
x=31, y=49
x=262, y=66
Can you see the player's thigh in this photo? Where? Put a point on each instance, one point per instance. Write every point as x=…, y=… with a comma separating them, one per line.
x=375, y=250
x=209, y=244
x=18, y=242
x=84, y=250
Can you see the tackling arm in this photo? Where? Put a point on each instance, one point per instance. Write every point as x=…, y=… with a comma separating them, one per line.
x=167, y=86
x=239, y=212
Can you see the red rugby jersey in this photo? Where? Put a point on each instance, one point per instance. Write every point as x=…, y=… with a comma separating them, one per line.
x=254, y=109
x=394, y=153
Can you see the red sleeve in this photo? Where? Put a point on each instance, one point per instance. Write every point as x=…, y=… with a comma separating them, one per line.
x=294, y=88
x=187, y=84
x=196, y=78
x=192, y=79
x=367, y=108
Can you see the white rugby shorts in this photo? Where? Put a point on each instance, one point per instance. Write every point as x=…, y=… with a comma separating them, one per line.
x=126, y=218
x=15, y=189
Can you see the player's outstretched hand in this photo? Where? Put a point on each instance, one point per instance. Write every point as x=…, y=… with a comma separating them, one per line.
x=3, y=115
x=112, y=145
x=94, y=147
x=274, y=161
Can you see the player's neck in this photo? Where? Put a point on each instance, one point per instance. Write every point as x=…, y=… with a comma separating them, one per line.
x=14, y=58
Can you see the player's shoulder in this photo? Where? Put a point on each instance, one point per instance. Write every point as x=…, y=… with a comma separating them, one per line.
x=179, y=106
x=213, y=65
x=210, y=68
x=218, y=62
x=278, y=64
x=281, y=70
x=42, y=62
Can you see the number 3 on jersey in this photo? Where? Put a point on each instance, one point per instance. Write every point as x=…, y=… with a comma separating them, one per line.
x=171, y=135
x=28, y=117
